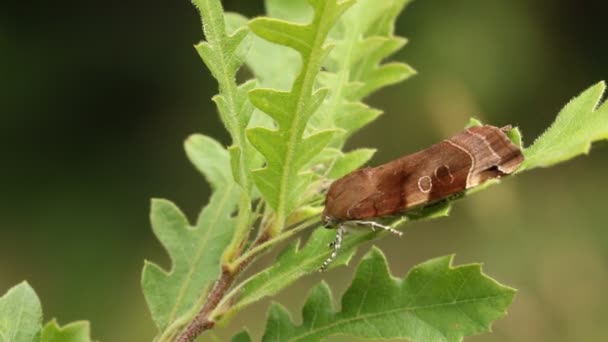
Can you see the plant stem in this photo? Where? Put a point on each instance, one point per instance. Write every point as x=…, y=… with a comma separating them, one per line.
x=242, y=229
x=203, y=320
x=255, y=250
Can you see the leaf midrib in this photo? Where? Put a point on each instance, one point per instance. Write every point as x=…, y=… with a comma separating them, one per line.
x=305, y=90
x=21, y=309
x=392, y=311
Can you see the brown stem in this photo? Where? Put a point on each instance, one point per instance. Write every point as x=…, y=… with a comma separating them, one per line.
x=203, y=320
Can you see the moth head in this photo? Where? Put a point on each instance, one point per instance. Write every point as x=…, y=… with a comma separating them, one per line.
x=328, y=221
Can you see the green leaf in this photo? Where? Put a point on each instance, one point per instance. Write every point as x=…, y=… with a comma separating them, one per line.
x=298, y=11
x=195, y=252
x=20, y=314
x=243, y=336
x=292, y=264
x=73, y=332
x=273, y=65
x=516, y=137
x=580, y=123
x=435, y=302
x=473, y=122
x=286, y=149
x=210, y=159
x=352, y=117
x=355, y=67
x=223, y=53
x=223, y=58
x=351, y=161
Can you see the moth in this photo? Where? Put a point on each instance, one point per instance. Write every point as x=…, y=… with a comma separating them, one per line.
x=448, y=168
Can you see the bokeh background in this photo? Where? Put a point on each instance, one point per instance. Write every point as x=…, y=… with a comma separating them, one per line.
x=96, y=99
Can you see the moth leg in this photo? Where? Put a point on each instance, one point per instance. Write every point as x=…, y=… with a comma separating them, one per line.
x=335, y=245
x=373, y=225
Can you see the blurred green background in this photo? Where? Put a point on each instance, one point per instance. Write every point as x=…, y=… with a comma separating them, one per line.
x=96, y=99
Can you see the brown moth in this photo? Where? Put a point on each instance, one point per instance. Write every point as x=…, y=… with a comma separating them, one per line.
x=445, y=169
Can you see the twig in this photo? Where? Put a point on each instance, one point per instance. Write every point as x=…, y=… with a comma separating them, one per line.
x=203, y=321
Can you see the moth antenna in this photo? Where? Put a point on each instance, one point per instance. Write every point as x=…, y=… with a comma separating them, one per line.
x=336, y=244
x=373, y=225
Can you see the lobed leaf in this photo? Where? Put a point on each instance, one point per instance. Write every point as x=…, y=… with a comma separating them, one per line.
x=355, y=67
x=434, y=302
x=195, y=251
x=287, y=149
x=350, y=161
x=21, y=318
x=293, y=263
x=385, y=24
x=581, y=122
x=243, y=336
x=298, y=11
x=20, y=314
x=437, y=311
x=273, y=65
x=223, y=52
x=73, y=332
